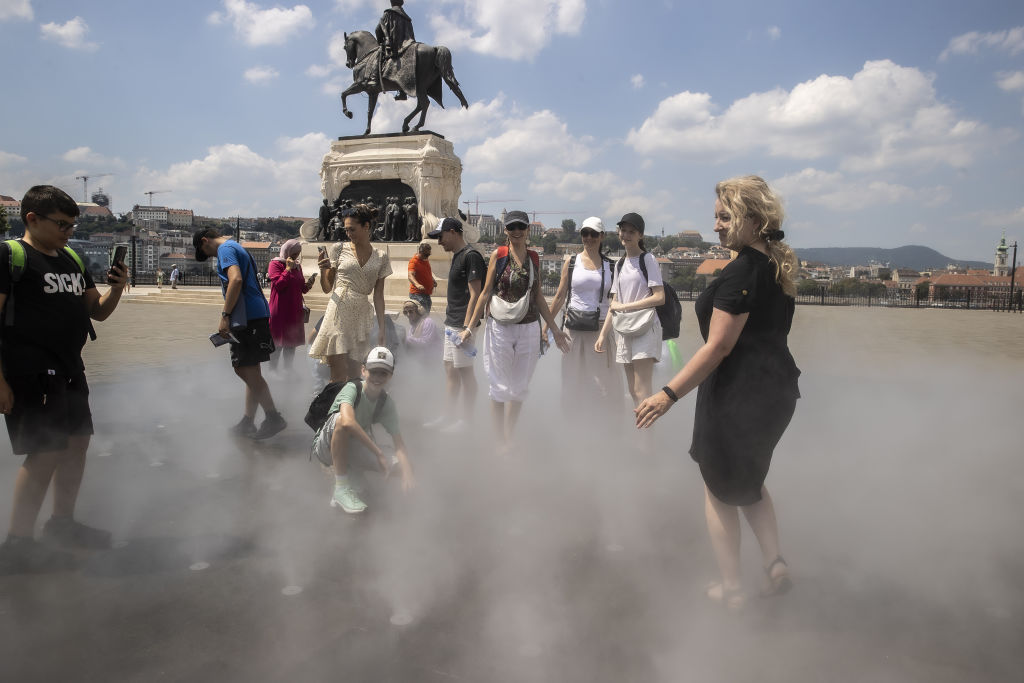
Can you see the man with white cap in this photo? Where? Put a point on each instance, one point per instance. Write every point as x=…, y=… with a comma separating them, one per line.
x=345, y=441
x=465, y=282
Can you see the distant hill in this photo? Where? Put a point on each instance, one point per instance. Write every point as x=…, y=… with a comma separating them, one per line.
x=912, y=256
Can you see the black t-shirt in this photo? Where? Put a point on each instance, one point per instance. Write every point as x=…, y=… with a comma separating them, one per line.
x=761, y=353
x=50, y=318
x=467, y=265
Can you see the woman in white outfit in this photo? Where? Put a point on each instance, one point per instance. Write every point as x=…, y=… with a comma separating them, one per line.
x=512, y=335
x=354, y=270
x=585, y=289
x=633, y=318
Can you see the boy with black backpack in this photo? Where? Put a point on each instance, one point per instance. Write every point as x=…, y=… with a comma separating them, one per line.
x=345, y=440
x=48, y=299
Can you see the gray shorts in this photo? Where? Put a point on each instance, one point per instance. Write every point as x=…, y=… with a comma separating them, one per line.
x=359, y=456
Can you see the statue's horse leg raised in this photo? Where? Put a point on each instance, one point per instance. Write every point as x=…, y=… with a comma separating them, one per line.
x=372, y=94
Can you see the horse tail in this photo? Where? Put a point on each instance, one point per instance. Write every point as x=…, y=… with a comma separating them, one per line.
x=443, y=62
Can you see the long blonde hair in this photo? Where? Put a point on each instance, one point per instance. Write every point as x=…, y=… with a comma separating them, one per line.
x=749, y=196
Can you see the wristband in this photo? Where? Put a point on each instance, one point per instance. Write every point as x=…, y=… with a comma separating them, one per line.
x=671, y=394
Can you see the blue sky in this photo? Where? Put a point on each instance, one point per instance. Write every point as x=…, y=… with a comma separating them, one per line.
x=881, y=123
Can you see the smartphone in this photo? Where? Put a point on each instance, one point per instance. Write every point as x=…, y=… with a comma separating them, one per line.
x=218, y=340
x=321, y=253
x=119, y=254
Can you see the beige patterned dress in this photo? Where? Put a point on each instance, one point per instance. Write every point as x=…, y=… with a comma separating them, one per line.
x=349, y=317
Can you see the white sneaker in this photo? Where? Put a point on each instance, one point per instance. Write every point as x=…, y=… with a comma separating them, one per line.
x=435, y=423
x=458, y=427
x=345, y=498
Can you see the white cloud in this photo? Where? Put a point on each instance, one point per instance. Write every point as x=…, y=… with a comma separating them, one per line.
x=351, y=5
x=774, y=32
x=885, y=115
x=259, y=26
x=16, y=9
x=70, y=34
x=1010, y=81
x=513, y=30
x=318, y=71
x=637, y=81
x=10, y=159
x=86, y=156
x=526, y=144
x=261, y=75
x=833, y=190
x=215, y=184
x=488, y=188
x=1010, y=41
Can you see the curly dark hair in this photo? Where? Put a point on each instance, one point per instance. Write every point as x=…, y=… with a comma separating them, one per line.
x=362, y=213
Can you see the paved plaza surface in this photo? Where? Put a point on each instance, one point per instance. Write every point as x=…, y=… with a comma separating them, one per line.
x=582, y=557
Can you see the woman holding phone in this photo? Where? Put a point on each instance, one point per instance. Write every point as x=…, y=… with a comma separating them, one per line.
x=287, y=317
x=354, y=270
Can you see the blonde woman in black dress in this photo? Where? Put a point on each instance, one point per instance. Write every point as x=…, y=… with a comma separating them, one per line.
x=747, y=382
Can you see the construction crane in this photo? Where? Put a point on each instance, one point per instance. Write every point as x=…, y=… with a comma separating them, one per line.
x=477, y=202
x=85, y=182
x=153, y=192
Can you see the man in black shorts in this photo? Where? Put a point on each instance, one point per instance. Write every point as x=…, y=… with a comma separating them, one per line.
x=43, y=391
x=237, y=269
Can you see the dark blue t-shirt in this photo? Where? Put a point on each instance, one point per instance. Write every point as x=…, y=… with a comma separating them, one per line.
x=232, y=253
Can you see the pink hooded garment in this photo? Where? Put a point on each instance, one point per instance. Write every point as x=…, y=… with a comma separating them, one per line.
x=286, y=290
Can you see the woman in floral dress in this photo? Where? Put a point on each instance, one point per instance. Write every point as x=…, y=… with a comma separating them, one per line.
x=354, y=270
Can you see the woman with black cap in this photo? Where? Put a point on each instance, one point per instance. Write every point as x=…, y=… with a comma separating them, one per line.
x=515, y=303
x=636, y=290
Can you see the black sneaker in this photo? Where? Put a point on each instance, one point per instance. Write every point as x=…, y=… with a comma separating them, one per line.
x=272, y=424
x=27, y=556
x=245, y=427
x=65, y=531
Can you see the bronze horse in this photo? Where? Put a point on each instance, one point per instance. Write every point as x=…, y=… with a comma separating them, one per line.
x=433, y=64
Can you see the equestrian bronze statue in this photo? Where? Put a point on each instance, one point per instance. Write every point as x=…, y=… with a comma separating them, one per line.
x=413, y=70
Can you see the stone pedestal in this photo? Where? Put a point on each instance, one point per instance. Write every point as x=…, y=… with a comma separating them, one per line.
x=425, y=162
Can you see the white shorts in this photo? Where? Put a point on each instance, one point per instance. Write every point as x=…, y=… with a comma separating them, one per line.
x=457, y=355
x=511, y=352
x=359, y=456
x=646, y=345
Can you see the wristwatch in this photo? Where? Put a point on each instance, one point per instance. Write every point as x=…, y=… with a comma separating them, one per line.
x=225, y=314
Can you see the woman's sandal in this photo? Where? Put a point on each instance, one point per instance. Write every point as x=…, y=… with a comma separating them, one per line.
x=733, y=599
x=778, y=584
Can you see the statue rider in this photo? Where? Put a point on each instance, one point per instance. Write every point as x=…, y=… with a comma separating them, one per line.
x=394, y=34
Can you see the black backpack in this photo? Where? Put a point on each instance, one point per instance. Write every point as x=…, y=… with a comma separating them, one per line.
x=670, y=311
x=320, y=407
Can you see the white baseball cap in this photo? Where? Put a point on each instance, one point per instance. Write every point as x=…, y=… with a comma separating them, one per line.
x=594, y=223
x=380, y=357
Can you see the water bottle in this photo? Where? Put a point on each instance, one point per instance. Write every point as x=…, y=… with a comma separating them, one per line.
x=456, y=341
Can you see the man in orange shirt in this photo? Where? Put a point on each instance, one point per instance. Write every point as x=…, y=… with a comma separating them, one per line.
x=421, y=278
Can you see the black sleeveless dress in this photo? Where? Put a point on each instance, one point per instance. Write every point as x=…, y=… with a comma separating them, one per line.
x=745, y=405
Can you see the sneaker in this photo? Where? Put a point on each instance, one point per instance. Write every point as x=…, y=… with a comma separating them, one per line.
x=28, y=556
x=345, y=498
x=245, y=427
x=65, y=531
x=435, y=423
x=457, y=427
x=272, y=424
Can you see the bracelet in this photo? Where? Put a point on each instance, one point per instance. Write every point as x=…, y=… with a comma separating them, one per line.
x=671, y=394
x=467, y=328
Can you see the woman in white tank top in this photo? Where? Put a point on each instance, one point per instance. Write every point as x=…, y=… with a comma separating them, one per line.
x=586, y=282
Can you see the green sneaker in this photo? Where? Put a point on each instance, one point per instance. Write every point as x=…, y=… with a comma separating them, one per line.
x=345, y=498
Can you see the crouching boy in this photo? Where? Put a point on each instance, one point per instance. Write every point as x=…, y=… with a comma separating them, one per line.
x=43, y=392
x=345, y=442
